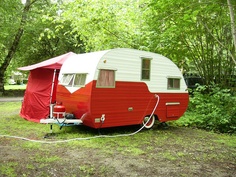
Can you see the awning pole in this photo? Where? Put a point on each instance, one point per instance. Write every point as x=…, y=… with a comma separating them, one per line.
x=52, y=105
x=53, y=81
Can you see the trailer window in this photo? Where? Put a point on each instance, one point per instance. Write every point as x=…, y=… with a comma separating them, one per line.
x=146, y=68
x=67, y=79
x=73, y=80
x=79, y=80
x=173, y=83
x=106, y=78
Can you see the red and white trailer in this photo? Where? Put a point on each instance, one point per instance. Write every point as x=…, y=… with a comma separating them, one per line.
x=120, y=87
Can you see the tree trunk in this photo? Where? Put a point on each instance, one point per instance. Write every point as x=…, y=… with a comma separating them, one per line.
x=233, y=28
x=14, y=45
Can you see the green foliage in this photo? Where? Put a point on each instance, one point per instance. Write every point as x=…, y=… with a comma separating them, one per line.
x=212, y=108
x=10, y=16
x=46, y=35
x=195, y=34
x=105, y=24
x=10, y=12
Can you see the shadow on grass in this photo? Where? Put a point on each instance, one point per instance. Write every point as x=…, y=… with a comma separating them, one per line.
x=85, y=131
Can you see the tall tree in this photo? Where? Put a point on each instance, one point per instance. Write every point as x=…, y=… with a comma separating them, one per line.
x=197, y=32
x=10, y=49
x=233, y=28
x=46, y=36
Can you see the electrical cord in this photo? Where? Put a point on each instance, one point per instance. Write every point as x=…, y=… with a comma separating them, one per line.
x=88, y=138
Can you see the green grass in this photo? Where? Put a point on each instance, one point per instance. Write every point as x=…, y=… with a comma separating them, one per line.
x=15, y=87
x=175, y=145
x=7, y=108
x=9, y=169
x=46, y=160
x=88, y=169
x=227, y=140
x=12, y=124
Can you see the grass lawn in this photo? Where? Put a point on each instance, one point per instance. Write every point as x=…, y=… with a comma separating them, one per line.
x=14, y=91
x=171, y=151
x=15, y=87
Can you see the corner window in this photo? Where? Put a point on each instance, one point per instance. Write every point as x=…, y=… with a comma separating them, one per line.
x=67, y=79
x=106, y=78
x=173, y=83
x=73, y=80
x=146, y=68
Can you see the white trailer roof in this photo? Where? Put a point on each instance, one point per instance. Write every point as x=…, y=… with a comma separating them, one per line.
x=127, y=63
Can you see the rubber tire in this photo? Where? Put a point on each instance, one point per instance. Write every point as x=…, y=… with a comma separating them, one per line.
x=150, y=123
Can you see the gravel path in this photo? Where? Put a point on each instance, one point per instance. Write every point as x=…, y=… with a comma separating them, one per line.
x=11, y=99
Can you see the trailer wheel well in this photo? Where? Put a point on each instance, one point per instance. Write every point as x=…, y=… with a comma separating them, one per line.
x=156, y=117
x=148, y=121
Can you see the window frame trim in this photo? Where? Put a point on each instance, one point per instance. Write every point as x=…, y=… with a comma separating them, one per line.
x=84, y=80
x=66, y=84
x=73, y=80
x=141, y=74
x=174, y=78
x=109, y=69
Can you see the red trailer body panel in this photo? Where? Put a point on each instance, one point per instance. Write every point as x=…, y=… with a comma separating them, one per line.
x=126, y=104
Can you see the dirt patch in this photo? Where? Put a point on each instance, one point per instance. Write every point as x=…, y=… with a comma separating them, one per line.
x=174, y=151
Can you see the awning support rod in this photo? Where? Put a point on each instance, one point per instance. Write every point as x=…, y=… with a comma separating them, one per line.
x=53, y=83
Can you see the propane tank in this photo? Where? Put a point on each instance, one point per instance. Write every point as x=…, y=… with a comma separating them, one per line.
x=59, y=110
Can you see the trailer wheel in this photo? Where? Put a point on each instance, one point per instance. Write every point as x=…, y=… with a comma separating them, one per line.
x=150, y=123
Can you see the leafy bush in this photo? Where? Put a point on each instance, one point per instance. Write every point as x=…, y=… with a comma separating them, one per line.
x=213, y=109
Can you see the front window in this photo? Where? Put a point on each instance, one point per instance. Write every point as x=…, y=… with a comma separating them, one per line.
x=146, y=68
x=67, y=79
x=79, y=80
x=173, y=83
x=106, y=78
x=73, y=80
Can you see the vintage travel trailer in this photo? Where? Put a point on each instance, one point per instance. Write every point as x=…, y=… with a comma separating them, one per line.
x=118, y=87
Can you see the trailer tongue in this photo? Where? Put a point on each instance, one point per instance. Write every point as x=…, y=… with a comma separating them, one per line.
x=61, y=121
x=58, y=116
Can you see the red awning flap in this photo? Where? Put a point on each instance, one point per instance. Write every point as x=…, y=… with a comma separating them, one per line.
x=53, y=63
